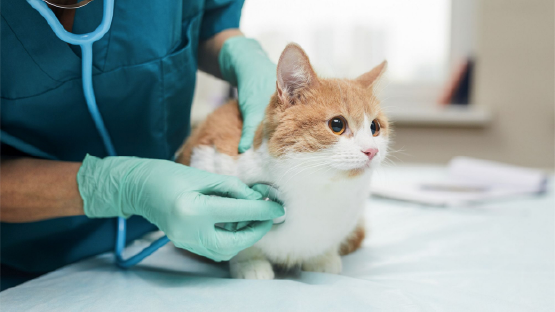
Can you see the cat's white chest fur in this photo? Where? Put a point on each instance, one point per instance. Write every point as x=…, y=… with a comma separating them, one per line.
x=323, y=207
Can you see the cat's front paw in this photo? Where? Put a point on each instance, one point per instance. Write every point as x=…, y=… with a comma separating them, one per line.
x=328, y=263
x=252, y=269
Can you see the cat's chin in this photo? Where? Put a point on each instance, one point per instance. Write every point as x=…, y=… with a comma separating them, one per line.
x=358, y=171
x=352, y=173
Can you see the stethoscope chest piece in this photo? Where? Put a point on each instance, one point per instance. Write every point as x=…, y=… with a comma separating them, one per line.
x=281, y=219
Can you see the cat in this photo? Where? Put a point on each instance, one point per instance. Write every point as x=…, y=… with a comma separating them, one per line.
x=318, y=144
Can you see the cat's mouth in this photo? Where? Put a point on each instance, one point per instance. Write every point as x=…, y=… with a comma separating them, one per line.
x=351, y=165
x=359, y=170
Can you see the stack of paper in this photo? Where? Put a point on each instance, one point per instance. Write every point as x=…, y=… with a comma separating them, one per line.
x=468, y=181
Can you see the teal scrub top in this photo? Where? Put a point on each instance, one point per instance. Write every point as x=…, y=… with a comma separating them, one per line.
x=144, y=73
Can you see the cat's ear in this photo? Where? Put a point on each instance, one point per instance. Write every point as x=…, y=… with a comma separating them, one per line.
x=368, y=79
x=294, y=73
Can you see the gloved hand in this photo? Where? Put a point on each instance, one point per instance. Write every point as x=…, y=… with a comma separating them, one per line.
x=244, y=64
x=176, y=199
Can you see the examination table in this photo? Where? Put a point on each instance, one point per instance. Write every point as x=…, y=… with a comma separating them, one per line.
x=497, y=256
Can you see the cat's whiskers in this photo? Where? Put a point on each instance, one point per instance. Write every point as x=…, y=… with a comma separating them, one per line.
x=319, y=169
x=303, y=164
x=284, y=162
x=320, y=166
x=313, y=159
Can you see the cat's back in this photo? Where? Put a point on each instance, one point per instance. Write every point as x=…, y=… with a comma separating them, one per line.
x=221, y=130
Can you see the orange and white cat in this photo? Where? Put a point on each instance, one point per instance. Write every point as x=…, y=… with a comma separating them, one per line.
x=318, y=144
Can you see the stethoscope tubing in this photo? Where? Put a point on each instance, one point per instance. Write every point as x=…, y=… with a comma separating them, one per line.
x=85, y=41
x=76, y=39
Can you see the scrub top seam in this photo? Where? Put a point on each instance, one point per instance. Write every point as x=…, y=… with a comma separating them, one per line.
x=24, y=48
x=163, y=102
x=109, y=42
x=24, y=146
x=80, y=78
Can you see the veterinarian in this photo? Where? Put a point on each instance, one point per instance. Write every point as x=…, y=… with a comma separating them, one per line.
x=59, y=191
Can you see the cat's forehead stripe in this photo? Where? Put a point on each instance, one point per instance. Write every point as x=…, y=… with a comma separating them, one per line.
x=354, y=102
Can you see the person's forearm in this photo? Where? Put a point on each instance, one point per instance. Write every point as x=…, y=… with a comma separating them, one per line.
x=209, y=51
x=36, y=189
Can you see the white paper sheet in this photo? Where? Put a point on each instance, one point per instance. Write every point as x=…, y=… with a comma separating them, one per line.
x=468, y=181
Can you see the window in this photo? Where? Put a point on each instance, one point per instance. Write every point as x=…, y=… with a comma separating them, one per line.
x=422, y=40
x=348, y=37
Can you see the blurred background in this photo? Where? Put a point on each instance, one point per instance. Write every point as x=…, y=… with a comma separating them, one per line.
x=465, y=78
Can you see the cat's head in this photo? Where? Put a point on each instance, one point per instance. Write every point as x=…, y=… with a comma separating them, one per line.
x=335, y=123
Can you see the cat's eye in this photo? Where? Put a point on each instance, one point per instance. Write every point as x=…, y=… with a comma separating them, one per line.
x=375, y=127
x=338, y=125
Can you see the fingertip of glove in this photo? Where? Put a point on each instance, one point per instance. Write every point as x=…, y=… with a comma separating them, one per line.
x=242, y=150
x=254, y=195
x=279, y=210
x=258, y=229
x=245, y=144
x=261, y=188
x=268, y=224
x=275, y=209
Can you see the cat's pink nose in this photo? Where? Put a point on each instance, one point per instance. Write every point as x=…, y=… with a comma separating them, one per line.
x=371, y=152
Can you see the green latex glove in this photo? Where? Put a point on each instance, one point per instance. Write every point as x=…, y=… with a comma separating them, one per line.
x=244, y=64
x=268, y=192
x=176, y=198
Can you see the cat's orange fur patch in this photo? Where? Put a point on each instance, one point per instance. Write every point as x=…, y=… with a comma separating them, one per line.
x=354, y=240
x=221, y=129
x=258, y=137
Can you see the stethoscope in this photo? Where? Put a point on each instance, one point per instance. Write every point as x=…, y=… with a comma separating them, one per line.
x=86, y=41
